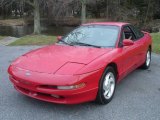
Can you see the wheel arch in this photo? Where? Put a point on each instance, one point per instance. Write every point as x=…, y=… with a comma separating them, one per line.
x=115, y=67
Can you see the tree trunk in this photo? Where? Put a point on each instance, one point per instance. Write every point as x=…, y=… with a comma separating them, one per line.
x=37, y=27
x=107, y=9
x=83, y=11
x=148, y=8
x=3, y=12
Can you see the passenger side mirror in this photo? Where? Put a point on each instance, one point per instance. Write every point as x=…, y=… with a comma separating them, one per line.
x=59, y=38
x=127, y=42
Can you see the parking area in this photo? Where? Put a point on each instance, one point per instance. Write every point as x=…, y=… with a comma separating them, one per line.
x=137, y=97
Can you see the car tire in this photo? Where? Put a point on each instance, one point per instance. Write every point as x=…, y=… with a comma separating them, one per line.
x=147, y=62
x=107, y=86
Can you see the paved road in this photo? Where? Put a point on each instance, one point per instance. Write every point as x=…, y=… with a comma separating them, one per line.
x=137, y=97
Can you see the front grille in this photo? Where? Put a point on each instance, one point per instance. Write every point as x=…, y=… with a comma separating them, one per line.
x=39, y=94
x=47, y=86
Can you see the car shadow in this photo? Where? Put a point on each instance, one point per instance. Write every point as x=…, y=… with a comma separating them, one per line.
x=69, y=109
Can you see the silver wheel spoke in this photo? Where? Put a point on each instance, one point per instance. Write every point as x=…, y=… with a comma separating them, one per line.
x=148, y=58
x=106, y=93
x=109, y=85
x=106, y=88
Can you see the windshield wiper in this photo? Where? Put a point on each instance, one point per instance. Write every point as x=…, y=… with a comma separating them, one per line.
x=85, y=44
x=65, y=42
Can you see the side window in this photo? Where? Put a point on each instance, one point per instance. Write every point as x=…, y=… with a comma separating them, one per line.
x=127, y=33
x=137, y=32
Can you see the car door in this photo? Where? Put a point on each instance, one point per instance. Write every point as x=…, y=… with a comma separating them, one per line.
x=140, y=46
x=128, y=53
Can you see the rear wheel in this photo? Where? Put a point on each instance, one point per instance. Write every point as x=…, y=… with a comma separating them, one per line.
x=147, y=63
x=107, y=86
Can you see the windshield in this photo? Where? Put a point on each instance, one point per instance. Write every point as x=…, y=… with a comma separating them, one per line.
x=93, y=35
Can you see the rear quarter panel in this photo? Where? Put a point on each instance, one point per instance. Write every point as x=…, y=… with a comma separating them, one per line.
x=148, y=39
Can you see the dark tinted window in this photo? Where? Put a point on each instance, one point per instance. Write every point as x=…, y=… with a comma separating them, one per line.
x=137, y=32
x=128, y=33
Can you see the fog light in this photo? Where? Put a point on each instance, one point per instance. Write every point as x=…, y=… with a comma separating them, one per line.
x=71, y=87
x=56, y=96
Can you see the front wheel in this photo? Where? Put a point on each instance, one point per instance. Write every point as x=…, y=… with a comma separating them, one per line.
x=107, y=86
x=147, y=63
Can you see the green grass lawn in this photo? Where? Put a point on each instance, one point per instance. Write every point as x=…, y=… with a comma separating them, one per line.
x=156, y=42
x=1, y=37
x=47, y=40
x=35, y=40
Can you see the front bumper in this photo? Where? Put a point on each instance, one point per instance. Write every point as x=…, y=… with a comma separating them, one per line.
x=76, y=98
x=30, y=86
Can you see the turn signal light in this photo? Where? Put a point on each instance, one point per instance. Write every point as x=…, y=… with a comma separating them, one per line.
x=71, y=87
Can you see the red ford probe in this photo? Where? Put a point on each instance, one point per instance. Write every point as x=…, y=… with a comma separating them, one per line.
x=85, y=65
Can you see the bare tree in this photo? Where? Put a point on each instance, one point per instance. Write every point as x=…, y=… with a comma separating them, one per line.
x=83, y=11
x=36, y=9
x=35, y=4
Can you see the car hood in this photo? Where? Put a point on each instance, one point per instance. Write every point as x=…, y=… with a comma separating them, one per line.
x=59, y=58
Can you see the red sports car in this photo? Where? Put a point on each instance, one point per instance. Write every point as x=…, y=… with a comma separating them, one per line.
x=85, y=65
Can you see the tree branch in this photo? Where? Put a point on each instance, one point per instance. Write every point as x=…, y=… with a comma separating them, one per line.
x=29, y=3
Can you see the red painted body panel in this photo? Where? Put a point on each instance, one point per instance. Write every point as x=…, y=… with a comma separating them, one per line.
x=51, y=58
x=62, y=65
x=29, y=85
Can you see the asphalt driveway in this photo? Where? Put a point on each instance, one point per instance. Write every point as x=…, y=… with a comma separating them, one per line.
x=137, y=97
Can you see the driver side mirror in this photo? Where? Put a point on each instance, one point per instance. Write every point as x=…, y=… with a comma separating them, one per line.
x=59, y=38
x=127, y=42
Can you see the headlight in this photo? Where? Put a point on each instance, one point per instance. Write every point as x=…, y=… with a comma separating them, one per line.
x=71, y=87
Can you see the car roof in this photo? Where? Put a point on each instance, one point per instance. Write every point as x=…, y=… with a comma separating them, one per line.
x=120, y=24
